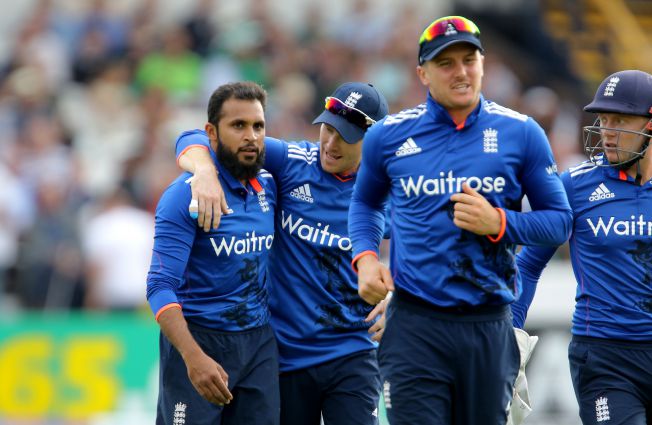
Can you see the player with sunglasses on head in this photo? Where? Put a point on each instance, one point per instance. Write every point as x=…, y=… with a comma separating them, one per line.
x=327, y=357
x=455, y=170
x=610, y=353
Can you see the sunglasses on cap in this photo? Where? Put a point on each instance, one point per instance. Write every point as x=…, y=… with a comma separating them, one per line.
x=352, y=115
x=442, y=25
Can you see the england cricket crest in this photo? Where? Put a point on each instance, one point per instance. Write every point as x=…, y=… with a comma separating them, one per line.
x=262, y=201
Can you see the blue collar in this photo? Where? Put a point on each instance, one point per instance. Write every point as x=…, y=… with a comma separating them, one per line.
x=440, y=114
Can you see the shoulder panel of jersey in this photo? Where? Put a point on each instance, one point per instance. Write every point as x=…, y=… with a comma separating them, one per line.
x=405, y=115
x=583, y=168
x=303, y=151
x=495, y=109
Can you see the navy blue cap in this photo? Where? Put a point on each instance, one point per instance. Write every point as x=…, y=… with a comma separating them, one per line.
x=362, y=96
x=625, y=92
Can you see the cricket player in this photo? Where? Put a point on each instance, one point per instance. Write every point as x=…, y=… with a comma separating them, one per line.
x=455, y=170
x=209, y=290
x=610, y=353
x=327, y=358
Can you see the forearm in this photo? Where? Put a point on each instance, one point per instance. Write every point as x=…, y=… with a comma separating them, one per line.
x=175, y=328
x=196, y=160
x=530, y=263
x=366, y=226
x=538, y=228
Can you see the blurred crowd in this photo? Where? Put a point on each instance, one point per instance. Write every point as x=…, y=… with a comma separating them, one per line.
x=91, y=104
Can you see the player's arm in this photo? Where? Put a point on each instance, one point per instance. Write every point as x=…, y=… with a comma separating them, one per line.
x=530, y=263
x=207, y=376
x=551, y=219
x=173, y=240
x=195, y=156
x=367, y=223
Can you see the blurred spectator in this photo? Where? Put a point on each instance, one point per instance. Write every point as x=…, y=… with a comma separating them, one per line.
x=559, y=119
x=175, y=68
x=201, y=29
x=104, y=121
x=49, y=265
x=91, y=57
x=16, y=214
x=110, y=26
x=118, y=249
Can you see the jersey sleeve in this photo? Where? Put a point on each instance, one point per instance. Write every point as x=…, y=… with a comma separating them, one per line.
x=192, y=139
x=276, y=152
x=530, y=262
x=549, y=223
x=367, y=209
x=174, y=234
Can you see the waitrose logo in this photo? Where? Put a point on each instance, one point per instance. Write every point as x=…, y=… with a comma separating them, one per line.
x=632, y=227
x=238, y=246
x=448, y=183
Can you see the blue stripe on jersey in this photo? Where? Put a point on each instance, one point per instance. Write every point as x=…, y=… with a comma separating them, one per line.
x=420, y=160
x=317, y=314
x=219, y=277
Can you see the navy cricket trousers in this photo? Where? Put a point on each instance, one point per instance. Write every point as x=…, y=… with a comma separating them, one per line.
x=250, y=358
x=447, y=366
x=612, y=380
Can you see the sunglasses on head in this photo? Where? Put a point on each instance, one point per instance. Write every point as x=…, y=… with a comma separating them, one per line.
x=442, y=25
x=352, y=115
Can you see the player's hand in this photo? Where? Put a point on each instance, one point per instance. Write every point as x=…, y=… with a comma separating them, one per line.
x=209, y=379
x=474, y=213
x=377, y=329
x=374, y=279
x=208, y=193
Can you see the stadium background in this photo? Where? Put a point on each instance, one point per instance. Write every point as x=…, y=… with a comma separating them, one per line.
x=93, y=93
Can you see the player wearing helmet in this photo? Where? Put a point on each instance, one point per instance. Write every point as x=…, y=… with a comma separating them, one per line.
x=610, y=353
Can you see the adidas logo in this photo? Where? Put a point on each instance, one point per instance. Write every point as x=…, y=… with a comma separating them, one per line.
x=303, y=193
x=601, y=192
x=409, y=147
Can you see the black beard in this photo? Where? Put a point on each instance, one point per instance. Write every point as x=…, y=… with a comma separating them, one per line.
x=230, y=161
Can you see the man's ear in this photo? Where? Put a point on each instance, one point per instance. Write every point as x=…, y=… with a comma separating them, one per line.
x=212, y=133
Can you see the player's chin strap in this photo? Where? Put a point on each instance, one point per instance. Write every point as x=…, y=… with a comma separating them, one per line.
x=638, y=178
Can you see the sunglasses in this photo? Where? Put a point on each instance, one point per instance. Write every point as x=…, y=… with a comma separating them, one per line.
x=442, y=25
x=352, y=115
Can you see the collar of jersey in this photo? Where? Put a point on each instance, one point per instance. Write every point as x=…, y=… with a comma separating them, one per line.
x=614, y=173
x=440, y=114
x=233, y=183
x=345, y=178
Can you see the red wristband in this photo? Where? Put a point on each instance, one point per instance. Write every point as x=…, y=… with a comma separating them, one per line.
x=357, y=257
x=503, y=226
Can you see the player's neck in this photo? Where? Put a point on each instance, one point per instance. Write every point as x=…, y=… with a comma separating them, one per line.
x=643, y=167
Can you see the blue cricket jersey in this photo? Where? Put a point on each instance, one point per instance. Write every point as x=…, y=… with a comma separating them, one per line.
x=317, y=314
x=419, y=157
x=611, y=252
x=219, y=278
